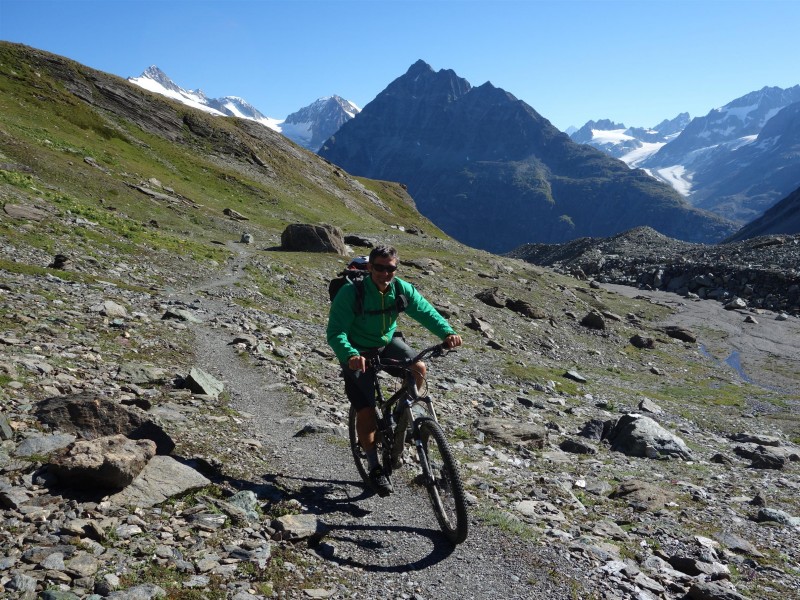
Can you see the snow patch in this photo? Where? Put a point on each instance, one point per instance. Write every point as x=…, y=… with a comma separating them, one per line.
x=677, y=176
x=636, y=156
x=740, y=112
x=610, y=136
x=188, y=98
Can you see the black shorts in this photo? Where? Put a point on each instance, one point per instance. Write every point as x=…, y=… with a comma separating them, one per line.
x=360, y=387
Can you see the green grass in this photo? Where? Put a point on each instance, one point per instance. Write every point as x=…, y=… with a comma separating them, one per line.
x=278, y=578
x=541, y=374
x=508, y=523
x=171, y=580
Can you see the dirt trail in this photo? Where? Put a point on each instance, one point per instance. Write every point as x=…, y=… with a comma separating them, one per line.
x=384, y=546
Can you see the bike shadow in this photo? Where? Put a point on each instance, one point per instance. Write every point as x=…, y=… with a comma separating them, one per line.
x=322, y=496
x=440, y=548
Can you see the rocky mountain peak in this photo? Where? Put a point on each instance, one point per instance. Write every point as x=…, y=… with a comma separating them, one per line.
x=156, y=74
x=419, y=67
x=669, y=127
x=493, y=172
x=312, y=125
x=237, y=107
x=421, y=81
x=332, y=107
x=585, y=134
x=730, y=124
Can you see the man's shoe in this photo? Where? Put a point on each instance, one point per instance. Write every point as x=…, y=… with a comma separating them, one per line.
x=380, y=482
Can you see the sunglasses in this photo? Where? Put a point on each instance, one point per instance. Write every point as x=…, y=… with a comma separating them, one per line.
x=384, y=268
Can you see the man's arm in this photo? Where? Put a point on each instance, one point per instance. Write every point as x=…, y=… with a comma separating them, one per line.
x=340, y=319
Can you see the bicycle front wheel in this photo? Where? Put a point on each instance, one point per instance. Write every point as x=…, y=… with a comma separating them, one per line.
x=442, y=480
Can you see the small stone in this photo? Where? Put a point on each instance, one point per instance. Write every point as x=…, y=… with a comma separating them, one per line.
x=575, y=376
x=318, y=593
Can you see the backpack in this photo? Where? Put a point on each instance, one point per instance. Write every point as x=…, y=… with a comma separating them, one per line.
x=357, y=277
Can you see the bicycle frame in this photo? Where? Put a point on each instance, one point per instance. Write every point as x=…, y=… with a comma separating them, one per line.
x=395, y=420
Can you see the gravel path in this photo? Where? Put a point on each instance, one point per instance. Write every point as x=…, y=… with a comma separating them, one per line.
x=381, y=545
x=386, y=545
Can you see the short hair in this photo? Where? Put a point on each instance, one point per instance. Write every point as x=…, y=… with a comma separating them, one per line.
x=383, y=251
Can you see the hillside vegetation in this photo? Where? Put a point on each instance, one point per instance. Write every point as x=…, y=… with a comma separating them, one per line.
x=137, y=192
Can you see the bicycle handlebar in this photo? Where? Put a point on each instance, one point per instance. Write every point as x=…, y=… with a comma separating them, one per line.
x=435, y=351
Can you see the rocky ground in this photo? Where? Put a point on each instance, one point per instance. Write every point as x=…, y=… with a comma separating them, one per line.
x=761, y=272
x=695, y=497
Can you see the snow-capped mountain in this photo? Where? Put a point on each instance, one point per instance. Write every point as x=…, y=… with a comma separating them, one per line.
x=711, y=161
x=748, y=180
x=308, y=127
x=312, y=125
x=630, y=144
x=735, y=161
x=724, y=129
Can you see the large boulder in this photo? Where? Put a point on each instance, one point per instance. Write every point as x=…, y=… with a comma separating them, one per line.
x=637, y=435
x=313, y=238
x=162, y=478
x=107, y=462
x=507, y=431
x=91, y=416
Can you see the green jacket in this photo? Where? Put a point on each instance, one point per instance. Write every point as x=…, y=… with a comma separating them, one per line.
x=349, y=333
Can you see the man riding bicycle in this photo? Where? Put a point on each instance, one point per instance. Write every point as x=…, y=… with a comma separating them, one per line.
x=363, y=322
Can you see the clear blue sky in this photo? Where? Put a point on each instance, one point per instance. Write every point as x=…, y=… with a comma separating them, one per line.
x=636, y=62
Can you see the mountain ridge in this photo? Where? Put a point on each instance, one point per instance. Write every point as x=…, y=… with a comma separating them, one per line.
x=465, y=151
x=632, y=145
x=308, y=126
x=719, y=162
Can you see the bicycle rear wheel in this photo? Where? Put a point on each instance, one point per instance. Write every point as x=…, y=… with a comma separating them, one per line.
x=442, y=480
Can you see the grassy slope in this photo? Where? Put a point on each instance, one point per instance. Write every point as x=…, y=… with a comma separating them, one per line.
x=47, y=129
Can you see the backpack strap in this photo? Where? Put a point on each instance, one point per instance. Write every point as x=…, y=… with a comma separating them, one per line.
x=400, y=300
x=359, y=307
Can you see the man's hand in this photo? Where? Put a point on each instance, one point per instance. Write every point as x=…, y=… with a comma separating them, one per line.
x=357, y=363
x=452, y=341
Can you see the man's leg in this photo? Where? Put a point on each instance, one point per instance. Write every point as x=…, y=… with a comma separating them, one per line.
x=398, y=349
x=360, y=389
x=419, y=369
x=366, y=426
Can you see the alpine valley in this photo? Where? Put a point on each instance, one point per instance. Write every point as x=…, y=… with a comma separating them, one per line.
x=173, y=424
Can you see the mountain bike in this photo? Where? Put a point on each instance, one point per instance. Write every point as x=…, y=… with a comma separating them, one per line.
x=409, y=417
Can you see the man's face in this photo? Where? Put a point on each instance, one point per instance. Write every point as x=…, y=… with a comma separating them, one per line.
x=382, y=271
